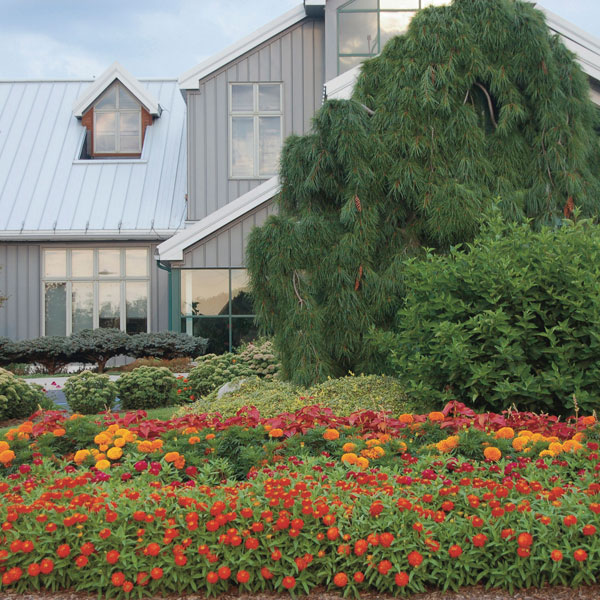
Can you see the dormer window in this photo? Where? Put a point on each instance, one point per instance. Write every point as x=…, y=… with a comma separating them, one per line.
x=117, y=122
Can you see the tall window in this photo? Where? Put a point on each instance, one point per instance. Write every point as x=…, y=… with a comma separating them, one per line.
x=86, y=288
x=117, y=122
x=364, y=26
x=216, y=304
x=255, y=111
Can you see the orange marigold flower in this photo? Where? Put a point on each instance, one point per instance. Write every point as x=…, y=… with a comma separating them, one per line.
x=114, y=453
x=436, y=416
x=350, y=458
x=6, y=457
x=276, y=432
x=209, y=436
x=362, y=462
x=331, y=434
x=505, y=433
x=492, y=453
x=58, y=432
x=406, y=418
x=588, y=421
x=194, y=440
x=348, y=447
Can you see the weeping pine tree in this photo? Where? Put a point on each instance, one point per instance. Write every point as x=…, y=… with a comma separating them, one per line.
x=477, y=101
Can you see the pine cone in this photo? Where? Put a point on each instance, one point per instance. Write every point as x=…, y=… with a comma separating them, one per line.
x=357, y=203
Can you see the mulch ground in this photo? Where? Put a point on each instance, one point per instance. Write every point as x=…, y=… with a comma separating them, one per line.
x=591, y=592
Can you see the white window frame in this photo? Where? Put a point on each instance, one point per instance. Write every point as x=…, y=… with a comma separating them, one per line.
x=117, y=111
x=255, y=114
x=95, y=279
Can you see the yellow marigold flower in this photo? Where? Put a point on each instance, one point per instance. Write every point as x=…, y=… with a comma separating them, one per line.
x=402, y=447
x=436, y=416
x=113, y=428
x=505, y=433
x=536, y=437
x=385, y=438
x=103, y=447
x=379, y=451
x=102, y=438
x=371, y=443
x=546, y=453
x=120, y=442
x=406, y=418
x=578, y=437
x=519, y=443
x=193, y=440
x=6, y=456
x=555, y=448
x=189, y=430
x=115, y=453
x=102, y=465
x=331, y=434
x=552, y=439
x=362, y=462
x=81, y=455
x=350, y=458
x=348, y=447
x=525, y=433
x=4, y=446
x=276, y=432
x=492, y=453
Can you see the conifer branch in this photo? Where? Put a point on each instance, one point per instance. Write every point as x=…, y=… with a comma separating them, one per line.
x=546, y=157
x=370, y=111
x=294, y=280
x=490, y=103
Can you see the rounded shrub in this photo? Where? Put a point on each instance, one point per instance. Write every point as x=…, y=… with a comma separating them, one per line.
x=89, y=393
x=212, y=371
x=147, y=387
x=18, y=399
x=511, y=319
x=259, y=356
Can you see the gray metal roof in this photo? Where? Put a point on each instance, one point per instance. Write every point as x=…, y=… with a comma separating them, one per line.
x=46, y=192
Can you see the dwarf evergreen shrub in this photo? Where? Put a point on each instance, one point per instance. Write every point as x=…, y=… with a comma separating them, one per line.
x=477, y=99
x=18, y=399
x=212, y=371
x=147, y=387
x=260, y=357
x=89, y=393
x=514, y=319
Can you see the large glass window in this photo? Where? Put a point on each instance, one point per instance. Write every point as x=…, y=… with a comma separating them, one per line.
x=117, y=122
x=216, y=304
x=85, y=288
x=255, y=111
x=365, y=26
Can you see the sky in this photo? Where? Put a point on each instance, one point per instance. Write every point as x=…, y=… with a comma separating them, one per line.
x=70, y=39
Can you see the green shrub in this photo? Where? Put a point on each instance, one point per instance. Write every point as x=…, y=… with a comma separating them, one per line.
x=147, y=387
x=99, y=345
x=514, y=319
x=89, y=393
x=270, y=397
x=215, y=370
x=364, y=392
x=53, y=352
x=165, y=345
x=260, y=357
x=343, y=396
x=18, y=399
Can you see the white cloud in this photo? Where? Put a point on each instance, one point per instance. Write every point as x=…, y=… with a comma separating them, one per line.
x=31, y=55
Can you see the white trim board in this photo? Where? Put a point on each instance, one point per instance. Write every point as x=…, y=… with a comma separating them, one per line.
x=191, y=78
x=172, y=249
x=116, y=71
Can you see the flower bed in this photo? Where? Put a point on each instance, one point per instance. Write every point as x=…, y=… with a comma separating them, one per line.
x=131, y=507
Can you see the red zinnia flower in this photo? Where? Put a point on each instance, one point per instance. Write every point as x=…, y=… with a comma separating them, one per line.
x=157, y=573
x=340, y=579
x=118, y=579
x=266, y=573
x=556, y=555
x=112, y=556
x=525, y=540
x=523, y=552
x=243, y=576
x=289, y=582
x=63, y=551
x=81, y=561
x=479, y=540
x=359, y=577
x=580, y=555
x=33, y=570
x=401, y=579
x=384, y=566
x=589, y=530
x=415, y=558
x=570, y=520
x=455, y=551
x=47, y=566
x=211, y=577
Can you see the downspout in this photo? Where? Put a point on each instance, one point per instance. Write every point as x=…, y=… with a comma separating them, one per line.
x=167, y=268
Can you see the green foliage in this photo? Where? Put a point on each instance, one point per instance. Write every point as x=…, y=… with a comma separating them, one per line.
x=215, y=370
x=147, y=387
x=18, y=400
x=243, y=448
x=99, y=345
x=52, y=352
x=477, y=100
x=8, y=352
x=270, y=397
x=89, y=393
x=165, y=345
x=514, y=319
x=260, y=357
x=344, y=396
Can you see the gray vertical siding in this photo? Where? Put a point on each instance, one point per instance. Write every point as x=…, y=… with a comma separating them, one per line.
x=227, y=247
x=20, y=315
x=296, y=58
x=20, y=281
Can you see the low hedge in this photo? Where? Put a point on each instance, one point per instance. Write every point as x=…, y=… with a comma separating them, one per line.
x=18, y=399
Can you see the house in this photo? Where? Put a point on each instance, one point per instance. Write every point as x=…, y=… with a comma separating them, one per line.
x=127, y=203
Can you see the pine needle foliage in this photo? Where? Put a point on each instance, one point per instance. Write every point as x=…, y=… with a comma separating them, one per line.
x=477, y=100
